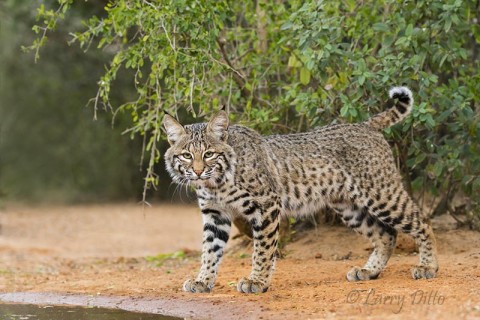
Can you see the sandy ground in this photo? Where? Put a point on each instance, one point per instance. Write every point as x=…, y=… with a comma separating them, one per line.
x=101, y=251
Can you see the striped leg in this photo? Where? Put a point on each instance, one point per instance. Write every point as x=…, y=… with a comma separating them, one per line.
x=425, y=240
x=265, y=224
x=410, y=222
x=382, y=236
x=405, y=216
x=216, y=230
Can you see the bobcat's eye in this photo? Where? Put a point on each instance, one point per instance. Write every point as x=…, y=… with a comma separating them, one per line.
x=208, y=154
x=187, y=155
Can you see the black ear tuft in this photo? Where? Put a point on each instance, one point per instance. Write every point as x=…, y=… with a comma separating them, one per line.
x=223, y=108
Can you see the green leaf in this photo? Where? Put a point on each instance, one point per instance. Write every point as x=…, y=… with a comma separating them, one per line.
x=304, y=76
x=429, y=121
x=419, y=159
x=380, y=26
x=476, y=184
x=438, y=168
x=293, y=62
x=353, y=112
x=448, y=24
x=361, y=80
x=418, y=183
x=409, y=30
x=401, y=40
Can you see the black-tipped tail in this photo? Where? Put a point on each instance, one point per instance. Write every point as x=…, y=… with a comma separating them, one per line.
x=400, y=105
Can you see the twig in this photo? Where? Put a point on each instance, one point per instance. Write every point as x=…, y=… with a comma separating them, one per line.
x=229, y=95
x=44, y=34
x=150, y=4
x=166, y=35
x=192, y=83
x=95, y=104
x=239, y=78
x=451, y=211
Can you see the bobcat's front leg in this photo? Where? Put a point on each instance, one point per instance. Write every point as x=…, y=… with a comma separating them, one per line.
x=216, y=230
x=265, y=225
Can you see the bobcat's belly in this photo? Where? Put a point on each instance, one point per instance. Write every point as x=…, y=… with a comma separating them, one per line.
x=302, y=208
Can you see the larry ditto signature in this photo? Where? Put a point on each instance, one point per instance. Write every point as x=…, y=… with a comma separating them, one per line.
x=372, y=297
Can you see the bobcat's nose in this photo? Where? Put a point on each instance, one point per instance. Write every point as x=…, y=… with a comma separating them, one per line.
x=198, y=171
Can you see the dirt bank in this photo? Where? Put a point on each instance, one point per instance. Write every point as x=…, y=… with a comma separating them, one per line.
x=100, y=251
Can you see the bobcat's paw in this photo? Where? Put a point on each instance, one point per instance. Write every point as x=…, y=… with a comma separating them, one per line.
x=250, y=286
x=360, y=274
x=424, y=272
x=195, y=286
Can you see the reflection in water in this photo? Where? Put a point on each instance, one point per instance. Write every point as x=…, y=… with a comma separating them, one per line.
x=35, y=312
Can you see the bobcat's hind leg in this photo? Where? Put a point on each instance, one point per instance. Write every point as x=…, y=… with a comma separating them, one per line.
x=382, y=236
x=425, y=240
x=405, y=217
x=423, y=235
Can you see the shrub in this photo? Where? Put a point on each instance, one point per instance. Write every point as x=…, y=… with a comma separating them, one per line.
x=286, y=66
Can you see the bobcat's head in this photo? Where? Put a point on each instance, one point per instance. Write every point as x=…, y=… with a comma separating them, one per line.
x=199, y=153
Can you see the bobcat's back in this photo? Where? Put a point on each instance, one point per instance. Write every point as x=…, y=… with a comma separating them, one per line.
x=310, y=170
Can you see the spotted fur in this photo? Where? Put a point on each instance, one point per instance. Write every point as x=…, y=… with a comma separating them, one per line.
x=348, y=167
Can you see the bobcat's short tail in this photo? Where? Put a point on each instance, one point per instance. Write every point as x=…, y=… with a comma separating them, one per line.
x=399, y=104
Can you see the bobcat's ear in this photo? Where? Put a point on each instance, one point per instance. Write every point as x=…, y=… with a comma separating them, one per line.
x=173, y=128
x=218, y=125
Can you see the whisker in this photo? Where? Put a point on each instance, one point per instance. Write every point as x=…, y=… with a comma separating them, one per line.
x=181, y=189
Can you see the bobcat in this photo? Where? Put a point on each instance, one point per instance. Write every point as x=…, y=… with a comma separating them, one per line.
x=348, y=167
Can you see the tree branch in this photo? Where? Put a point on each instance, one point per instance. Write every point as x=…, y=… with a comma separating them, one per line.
x=239, y=78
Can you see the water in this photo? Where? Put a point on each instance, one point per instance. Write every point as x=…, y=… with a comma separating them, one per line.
x=35, y=312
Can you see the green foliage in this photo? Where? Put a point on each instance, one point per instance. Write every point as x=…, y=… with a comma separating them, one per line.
x=357, y=51
x=160, y=259
x=292, y=65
